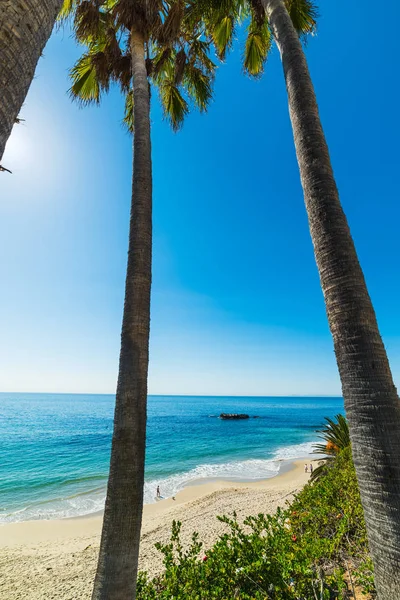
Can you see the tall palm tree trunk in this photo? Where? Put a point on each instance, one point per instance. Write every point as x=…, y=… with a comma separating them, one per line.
x=371, y=400
x=25, y=27
x=119, y=548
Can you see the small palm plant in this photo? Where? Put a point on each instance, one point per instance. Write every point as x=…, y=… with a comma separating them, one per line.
x=336, y=439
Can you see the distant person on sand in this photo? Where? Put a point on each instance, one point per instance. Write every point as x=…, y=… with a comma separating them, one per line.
x=311, y=468
x=305, y=468
x=158, y=492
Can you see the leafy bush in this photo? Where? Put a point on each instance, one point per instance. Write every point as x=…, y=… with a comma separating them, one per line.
x=314, y=549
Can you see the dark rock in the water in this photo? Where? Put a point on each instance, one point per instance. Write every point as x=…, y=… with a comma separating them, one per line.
x=228, y=416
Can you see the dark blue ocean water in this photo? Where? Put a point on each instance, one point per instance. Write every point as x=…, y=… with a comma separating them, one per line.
x=54, y=448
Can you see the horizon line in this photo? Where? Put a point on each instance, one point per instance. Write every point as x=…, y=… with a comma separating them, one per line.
x=185, y=395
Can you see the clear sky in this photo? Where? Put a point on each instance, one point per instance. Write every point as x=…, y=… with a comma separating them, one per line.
x=236, y=307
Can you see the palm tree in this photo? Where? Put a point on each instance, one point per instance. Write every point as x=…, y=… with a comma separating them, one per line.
x=25, y=28
x=336, y=438
x=371, y=399
x=137, y=44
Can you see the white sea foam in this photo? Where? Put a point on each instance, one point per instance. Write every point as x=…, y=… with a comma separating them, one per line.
x=252, y=470
x=243, y=470
x=92, y=502
x=296, y=451
x=60, y=508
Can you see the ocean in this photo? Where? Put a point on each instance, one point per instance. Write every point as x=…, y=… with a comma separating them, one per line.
x=55, y=448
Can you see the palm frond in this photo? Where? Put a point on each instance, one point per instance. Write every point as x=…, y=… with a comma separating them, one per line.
x=222, y=35
x=199, y=86
x=257, y=48
x=67, y=9
x=85, y=85
x=199, y=54
x=174, y=105
x=304, y=16
x=335, y=435
x=336, y=438
x=88, y=21
x=171, y=27
x=128, y=120
x=121, y=72
x=162, y=56
x=320, y=470
x=180, y=63
x=208, y=9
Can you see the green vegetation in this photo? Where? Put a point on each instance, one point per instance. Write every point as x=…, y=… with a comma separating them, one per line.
x=336, y=437
x=314, y=549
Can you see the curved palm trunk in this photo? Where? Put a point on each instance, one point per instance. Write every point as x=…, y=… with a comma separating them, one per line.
x=119, y=548
x=371, y=400
x=25, y=27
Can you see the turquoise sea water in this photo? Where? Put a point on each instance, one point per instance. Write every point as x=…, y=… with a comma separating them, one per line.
x=54, y=448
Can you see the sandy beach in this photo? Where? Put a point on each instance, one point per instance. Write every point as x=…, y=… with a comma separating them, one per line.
x=56, y=560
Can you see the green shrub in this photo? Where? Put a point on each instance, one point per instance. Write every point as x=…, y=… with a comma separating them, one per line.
x=314, y=549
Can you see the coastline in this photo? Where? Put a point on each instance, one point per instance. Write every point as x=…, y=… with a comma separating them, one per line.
x=42, y=530
x=57, y=558
x=56, y=465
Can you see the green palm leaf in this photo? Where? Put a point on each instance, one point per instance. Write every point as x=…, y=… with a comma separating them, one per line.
x=258, y=46
x=304, y=15
x=336, y=438
x=174, y=105
x=335, y=435
x=198, y=53
x=198, y=86
x=85, y=84
x=222, y=34
x=67, y=9
x=161, y=60
x=128, y=120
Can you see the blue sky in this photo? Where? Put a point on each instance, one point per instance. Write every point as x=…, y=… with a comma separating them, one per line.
x=236, y=307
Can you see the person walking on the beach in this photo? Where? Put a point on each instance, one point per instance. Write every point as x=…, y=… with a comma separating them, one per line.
x=158, y=492
x=305, y=468
x=311, y=468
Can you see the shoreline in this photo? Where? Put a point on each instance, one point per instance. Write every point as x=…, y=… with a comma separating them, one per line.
x=78, y=498
x=42, y=530
x=57, y=558
x=285, y=464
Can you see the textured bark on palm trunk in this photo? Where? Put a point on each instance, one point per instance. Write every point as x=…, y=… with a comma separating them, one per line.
x=119, y=547
x=25, y=27
x=371, y=400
